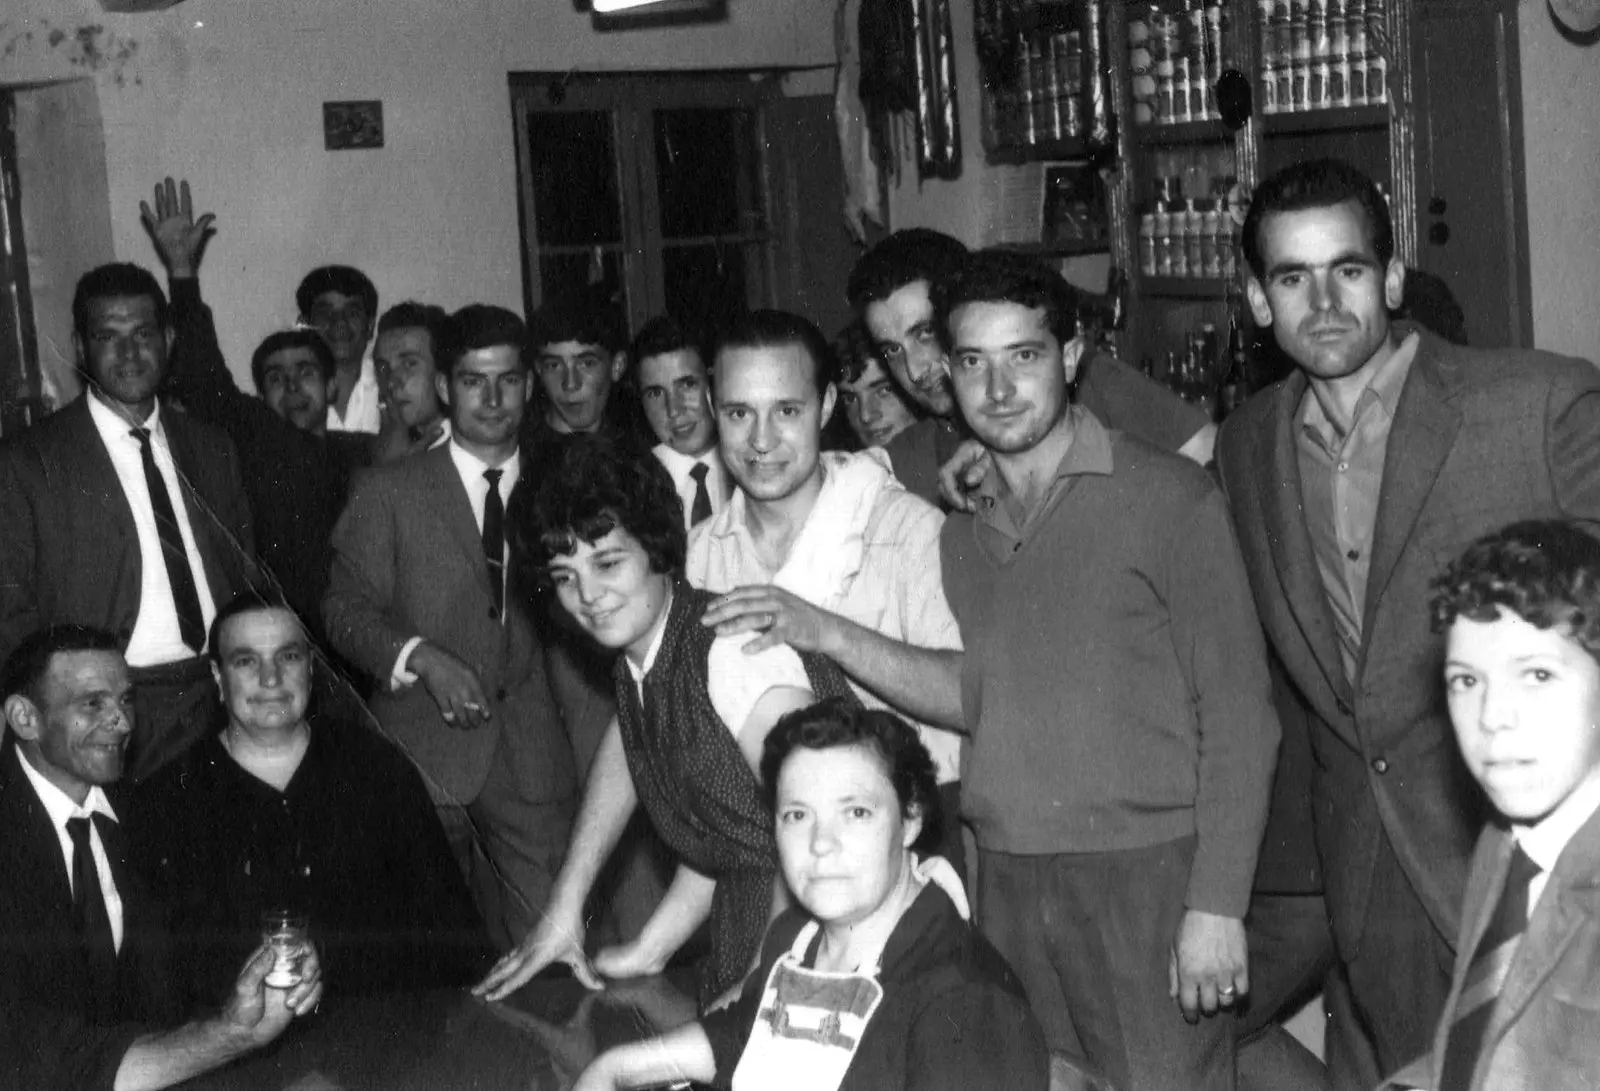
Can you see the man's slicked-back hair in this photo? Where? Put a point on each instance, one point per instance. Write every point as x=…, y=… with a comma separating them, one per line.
x=412, y=315
x=25, y=670
x=584, y=321
x=252, y=598
x=836, y=722
x=1005, y=276
x=768, y=329
x=343, y=279
x=119, y=278
x=916, y=253
x=302, y=338
x=479, y=326
x=1547, y=572
x=1317, y=183
x=663, y=334
x=588, y=487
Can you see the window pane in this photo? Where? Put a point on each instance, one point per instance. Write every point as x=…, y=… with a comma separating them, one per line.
x=708, y=284
x=707, y=172
x=574, y=177
x=571, y=277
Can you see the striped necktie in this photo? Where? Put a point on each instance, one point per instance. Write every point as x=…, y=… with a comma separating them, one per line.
x=1487, y=973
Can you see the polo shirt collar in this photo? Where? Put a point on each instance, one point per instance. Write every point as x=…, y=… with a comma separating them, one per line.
x=1089, y=454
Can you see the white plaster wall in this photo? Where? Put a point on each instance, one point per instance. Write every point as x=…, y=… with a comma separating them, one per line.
x=229, y=94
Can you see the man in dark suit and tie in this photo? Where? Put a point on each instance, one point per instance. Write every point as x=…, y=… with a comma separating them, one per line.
x=1352, y=482
x=84, y=962
x=117, y=512
x=417, y=598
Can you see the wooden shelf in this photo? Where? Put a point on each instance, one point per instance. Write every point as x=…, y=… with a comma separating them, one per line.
x=1044, y=150
x=1339, y=119
x=1204, y=288
x=1069, y=248
x=1211, y=131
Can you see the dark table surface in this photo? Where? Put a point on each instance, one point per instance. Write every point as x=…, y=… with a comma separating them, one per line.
x=539, y=1039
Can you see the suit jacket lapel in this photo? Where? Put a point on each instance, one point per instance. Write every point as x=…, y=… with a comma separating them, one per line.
x=210, y=536
x=98, y=482
x=27, y=822
x=1283, y=504
x=1571, y=899
x=450, y=494
x=1420, y=439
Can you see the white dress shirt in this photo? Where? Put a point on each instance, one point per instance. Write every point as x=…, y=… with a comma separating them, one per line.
x=1547, y=839
x=680, y=465
x=868, y=551
x=471, y=469
x=155, y=638
x=60, y=808
x=364, y=411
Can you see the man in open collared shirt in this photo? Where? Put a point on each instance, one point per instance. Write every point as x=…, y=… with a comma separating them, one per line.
x=84, y=963
x=341, y=303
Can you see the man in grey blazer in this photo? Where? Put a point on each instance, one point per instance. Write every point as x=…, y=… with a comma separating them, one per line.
x=121, y=514
x=417, y=597
x=1352, y=482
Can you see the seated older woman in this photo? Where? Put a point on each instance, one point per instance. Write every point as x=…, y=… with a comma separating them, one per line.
x=604, y=526
x=878, y=982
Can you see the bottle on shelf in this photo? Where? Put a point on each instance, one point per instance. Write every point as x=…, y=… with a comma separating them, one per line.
x=1235, y=386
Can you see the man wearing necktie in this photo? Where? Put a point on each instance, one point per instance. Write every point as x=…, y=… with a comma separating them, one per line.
x=85, y=967
x=1521, y=613
x=417, y=597
x=676, y=394
x=120, y=513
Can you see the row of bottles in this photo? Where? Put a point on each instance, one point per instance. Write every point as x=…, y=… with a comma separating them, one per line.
x=1047, y=76
x=1320, y=55
x=1207, y=374
x=1174, y=60
x=1194, y=237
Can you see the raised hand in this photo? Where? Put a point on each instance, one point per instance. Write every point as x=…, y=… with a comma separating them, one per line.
x=178, y=236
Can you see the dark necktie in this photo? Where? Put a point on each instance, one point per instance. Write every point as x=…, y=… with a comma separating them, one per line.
x=702, y=499
x=89, y=912
x=191, y=621
x=1486, y=975
x=494, y=537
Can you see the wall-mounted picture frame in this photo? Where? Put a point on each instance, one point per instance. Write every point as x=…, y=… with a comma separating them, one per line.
x=348, y=126
x=1075, y=206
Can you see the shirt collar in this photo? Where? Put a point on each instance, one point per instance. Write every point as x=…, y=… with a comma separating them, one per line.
x=1089, y=453
x=1547, y=839
x=112, y=424
x=471, y=467
x=655, y=643
x=679, y=464
x=1383, y=390
x=57, y=804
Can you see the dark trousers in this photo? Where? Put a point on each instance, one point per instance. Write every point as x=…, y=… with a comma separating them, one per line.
x=1090, y=935
x=175, y=705
x=1291, y=954
x=1384, y=1002
x=510, y=848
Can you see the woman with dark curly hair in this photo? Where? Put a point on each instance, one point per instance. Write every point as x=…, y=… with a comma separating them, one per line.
x=603, y=529
x=877, y=981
